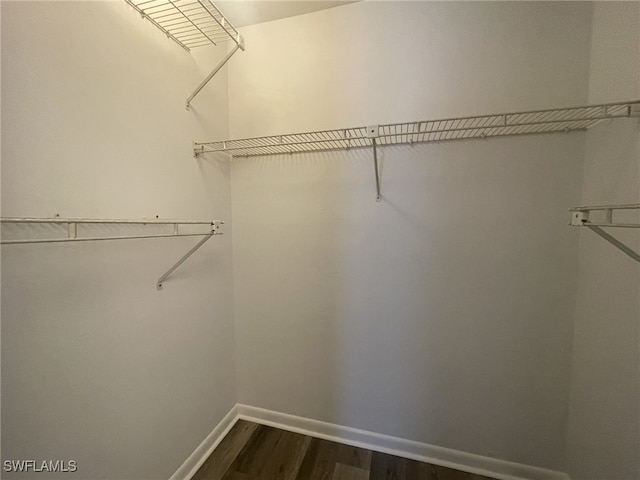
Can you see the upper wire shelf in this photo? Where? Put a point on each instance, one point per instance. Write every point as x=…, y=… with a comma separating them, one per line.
x=426, y=131
x=190, y=23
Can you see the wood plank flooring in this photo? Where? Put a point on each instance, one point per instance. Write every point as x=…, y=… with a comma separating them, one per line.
x=257, y=452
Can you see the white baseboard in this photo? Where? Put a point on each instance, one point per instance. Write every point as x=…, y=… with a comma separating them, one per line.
x=446, y=457
x=191, y=465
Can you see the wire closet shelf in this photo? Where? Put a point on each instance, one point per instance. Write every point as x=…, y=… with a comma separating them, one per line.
x=190, y=23
x=92, y=229
x=481, y=126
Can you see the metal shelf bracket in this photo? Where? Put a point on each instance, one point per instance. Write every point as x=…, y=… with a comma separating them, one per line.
x=580, y=218
x=372, y=133
x=239, y=45
x=197, y=149
x=215, y=227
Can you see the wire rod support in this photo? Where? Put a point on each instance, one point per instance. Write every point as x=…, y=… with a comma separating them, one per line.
x=160, y=282
x=373, y=132
x=213, y=72
x=614, y=241
x=375, y=166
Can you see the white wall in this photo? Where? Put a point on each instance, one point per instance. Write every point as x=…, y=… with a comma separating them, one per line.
x=384, y=62
x=443, y=314
x=604, y=427
x=98, y=366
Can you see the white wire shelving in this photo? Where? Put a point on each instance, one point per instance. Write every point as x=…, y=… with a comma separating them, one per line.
x=191, y=24
x=16, y=231
x=582, y=217
x=426, y=131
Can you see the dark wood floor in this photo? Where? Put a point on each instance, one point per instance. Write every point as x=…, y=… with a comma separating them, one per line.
x=256, y=452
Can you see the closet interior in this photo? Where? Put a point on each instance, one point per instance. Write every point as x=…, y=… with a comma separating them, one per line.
x=458, y=319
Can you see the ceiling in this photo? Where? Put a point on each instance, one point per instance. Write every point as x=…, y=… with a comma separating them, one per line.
x=249, y=12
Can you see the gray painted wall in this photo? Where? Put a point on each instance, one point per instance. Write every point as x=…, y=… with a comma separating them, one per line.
x=98, y=366
x=443, y=314
x=604, y=427
x=461, y=311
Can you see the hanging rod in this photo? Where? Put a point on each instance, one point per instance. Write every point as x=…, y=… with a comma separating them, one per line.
x=580, y=217
x=531, y=122
x=75, y=234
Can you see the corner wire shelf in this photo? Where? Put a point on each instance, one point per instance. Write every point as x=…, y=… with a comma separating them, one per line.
x=580, y=217
x=191, y=24
x=426, y=131
x=75, y=230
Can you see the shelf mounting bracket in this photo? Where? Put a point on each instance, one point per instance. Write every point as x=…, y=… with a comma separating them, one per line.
x=372, y=133
x=580, y=218
x=214, y=231
x=614, y=241
x=239, y=46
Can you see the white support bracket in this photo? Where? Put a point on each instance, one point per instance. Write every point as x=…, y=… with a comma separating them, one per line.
x=239, y=45
x=580, y=218
x=215, y=227
x=198, y=149
x=373, y=134
x=614, y=241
